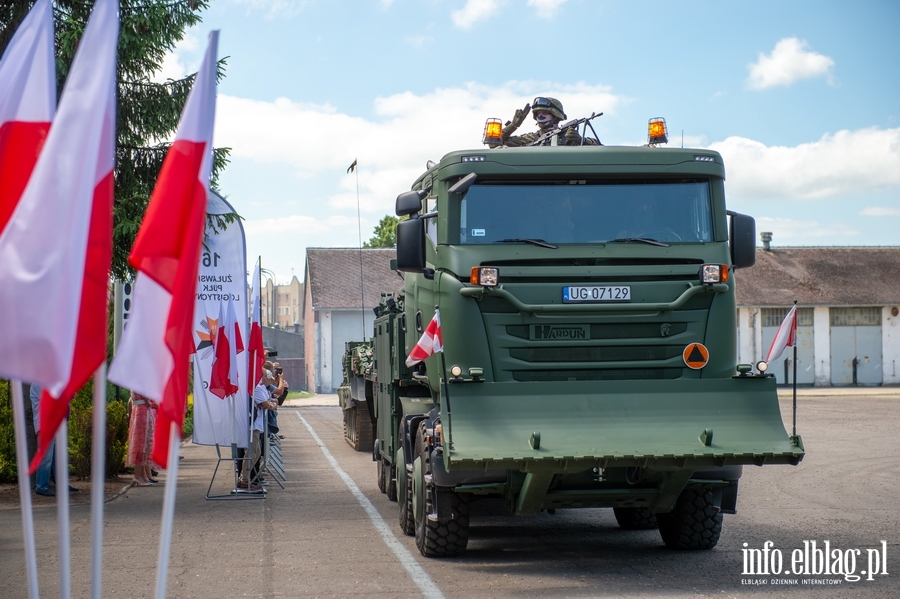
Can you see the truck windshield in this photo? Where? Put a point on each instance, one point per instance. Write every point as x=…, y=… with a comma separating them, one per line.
x=587, y=212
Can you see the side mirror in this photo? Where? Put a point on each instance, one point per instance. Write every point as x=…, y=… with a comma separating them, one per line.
x=463, y=185
x=409, y=202
x=411, y=244
x=742, y=235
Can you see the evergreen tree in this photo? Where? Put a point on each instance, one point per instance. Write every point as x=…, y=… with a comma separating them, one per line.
x=146, y=112
x=385, y=234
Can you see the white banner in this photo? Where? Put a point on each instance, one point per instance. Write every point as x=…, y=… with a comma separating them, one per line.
x=222, y=278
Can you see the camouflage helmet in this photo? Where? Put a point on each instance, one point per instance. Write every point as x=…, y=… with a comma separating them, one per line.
x=551, y=105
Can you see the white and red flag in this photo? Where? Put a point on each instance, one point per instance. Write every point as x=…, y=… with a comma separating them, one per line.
x=785, y=336
x=153, y=356
x=431, y=341
x=223, y=379
x=55, y=251
x=27, y=103
x=257, y=350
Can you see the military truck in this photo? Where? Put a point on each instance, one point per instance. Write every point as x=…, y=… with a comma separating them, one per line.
x=586, y=300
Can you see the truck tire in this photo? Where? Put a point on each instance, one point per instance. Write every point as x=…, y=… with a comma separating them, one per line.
x=404, y=489
x=635, y=518
x=379, y=475
x=694, y=523
x=388, y=474
x=433, y=538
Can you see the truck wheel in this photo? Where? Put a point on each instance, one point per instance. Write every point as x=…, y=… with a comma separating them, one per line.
x=388, y=474
x=433, y=538
x=694, y=523
x=379, y=475
x=404, y=490
x=635, y=518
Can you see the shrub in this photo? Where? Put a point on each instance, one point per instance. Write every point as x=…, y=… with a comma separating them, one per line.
x=80, y=433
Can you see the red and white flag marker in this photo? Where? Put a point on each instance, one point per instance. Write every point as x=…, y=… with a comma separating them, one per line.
x=786, y=336
x=56, y=238
x=27, y=103
x=429, y=343
x=223, y=379
x=257, y=352
x=154, y=355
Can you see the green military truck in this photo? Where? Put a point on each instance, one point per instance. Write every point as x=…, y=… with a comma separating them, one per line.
x=587, y=307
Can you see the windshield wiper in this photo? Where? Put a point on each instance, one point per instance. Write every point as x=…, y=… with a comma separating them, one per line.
x=537, y=242
x=646, y=240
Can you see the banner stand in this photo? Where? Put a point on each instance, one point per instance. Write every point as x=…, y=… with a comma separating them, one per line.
x=235, y=493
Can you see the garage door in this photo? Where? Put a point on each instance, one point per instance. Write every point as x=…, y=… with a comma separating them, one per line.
x=856, y=346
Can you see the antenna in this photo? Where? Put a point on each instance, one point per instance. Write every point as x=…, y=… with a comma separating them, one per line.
x=362, y=290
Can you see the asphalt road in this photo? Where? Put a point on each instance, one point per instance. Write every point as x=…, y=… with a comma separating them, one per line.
x=330, y=533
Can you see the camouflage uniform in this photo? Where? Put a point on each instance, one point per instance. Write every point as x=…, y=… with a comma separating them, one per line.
x=569, y=137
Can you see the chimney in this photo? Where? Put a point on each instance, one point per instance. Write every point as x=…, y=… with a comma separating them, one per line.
x=767, y=240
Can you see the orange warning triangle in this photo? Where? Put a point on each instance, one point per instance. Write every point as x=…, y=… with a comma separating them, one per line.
x=695, y=355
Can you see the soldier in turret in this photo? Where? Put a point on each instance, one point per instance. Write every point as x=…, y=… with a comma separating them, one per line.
x=547, y=113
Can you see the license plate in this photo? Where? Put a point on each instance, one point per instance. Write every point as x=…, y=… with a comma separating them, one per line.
x=574, y=295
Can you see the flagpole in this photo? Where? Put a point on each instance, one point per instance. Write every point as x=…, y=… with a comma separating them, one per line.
x=362, y=290
x=795, y=371
x=98, y=478
x=165, y=541
x=24, y=489
x=62, y=509
x=447, y=397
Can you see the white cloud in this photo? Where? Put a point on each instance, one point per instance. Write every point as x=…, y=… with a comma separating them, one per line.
x=842, y=163
x=880, y=211
x=315, y=139
x=804, y=232
x=179, y=62
x=546, y=9
x=313, y=201
x=275, y=8
x=418, y=41
x=474, y=11
x=788, y=63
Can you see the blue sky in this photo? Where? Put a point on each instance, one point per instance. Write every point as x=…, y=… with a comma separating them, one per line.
x=802, y=98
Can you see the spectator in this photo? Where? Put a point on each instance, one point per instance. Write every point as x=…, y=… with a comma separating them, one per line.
x=262, y=401
x=48, y=463
x=140, y=436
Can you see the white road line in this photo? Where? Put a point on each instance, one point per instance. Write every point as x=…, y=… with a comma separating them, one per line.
x=420, y=577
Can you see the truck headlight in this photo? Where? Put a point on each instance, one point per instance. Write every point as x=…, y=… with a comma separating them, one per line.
x=714, y=273
x=486, y=276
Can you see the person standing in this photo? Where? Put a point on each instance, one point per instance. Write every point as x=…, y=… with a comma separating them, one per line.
x=262, y=401
x=140, y=438
x=48, y=463
x=42, y=475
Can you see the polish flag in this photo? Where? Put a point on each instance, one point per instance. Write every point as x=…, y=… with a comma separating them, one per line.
x=223, y=380
x=431, y=342
x=257, y=349
x=786, y=335
x=153, y=356
x=27, y=103
x=55, y=250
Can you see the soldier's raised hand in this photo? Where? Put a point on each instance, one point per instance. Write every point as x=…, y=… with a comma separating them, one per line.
x=572, y=137
x=520, y=116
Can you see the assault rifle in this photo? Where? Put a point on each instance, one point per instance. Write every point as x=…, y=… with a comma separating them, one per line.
x=561, y=128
